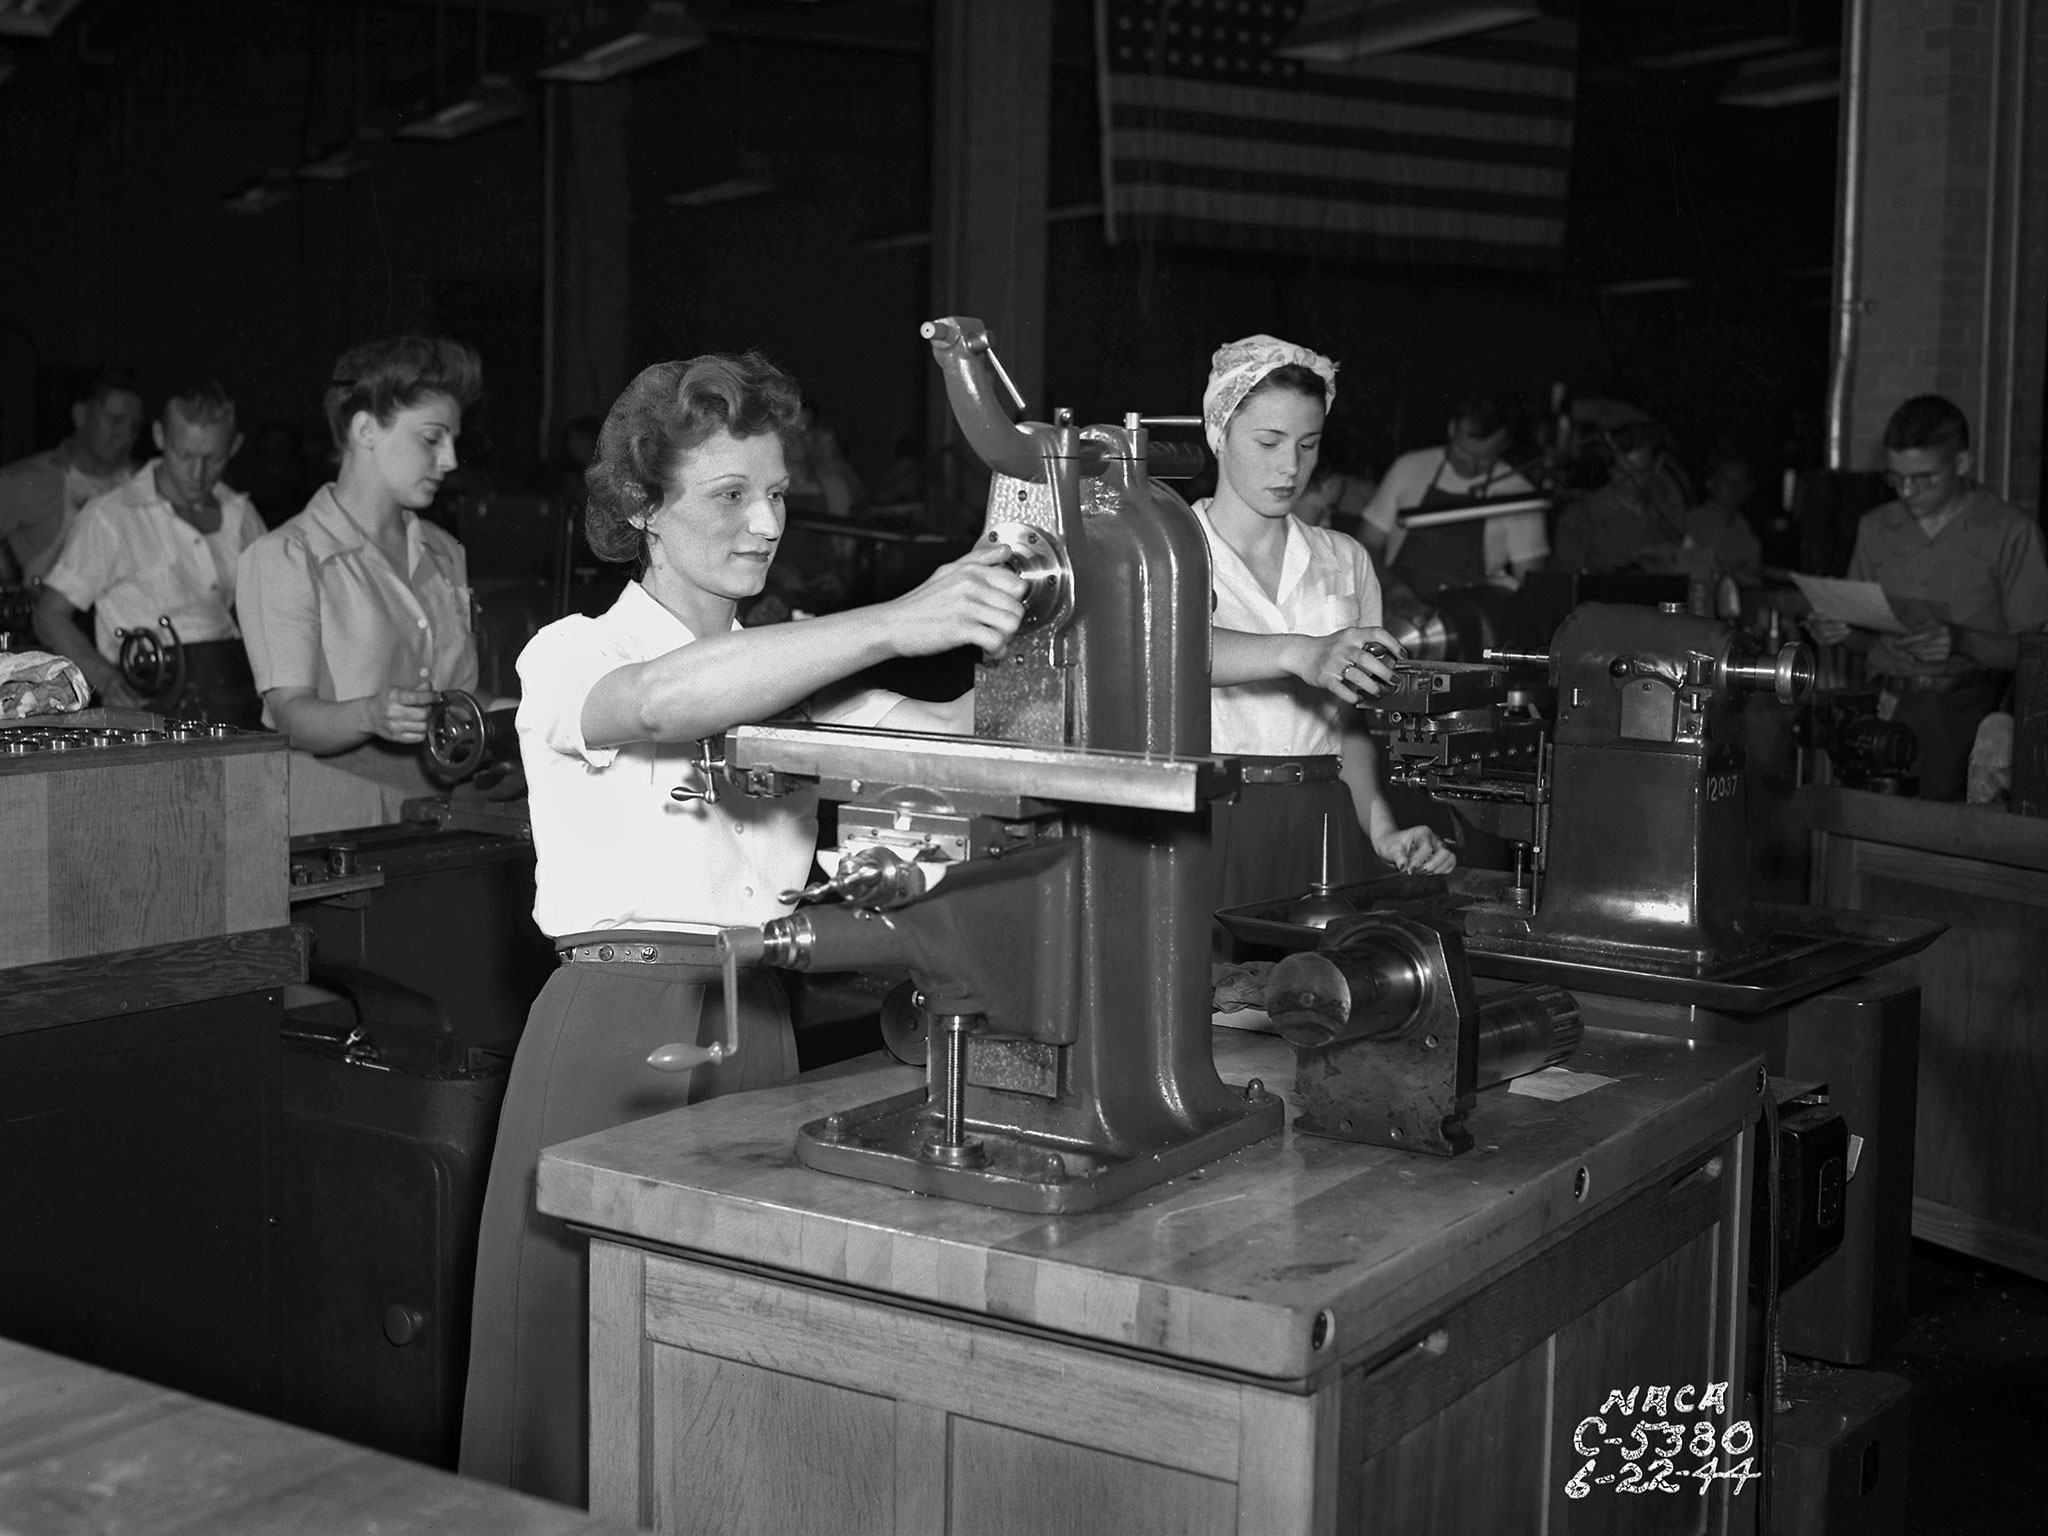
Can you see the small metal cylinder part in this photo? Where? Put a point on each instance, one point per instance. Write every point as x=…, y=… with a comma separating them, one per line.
x=1789, y=674
x=1371, y=986
x=1526, y=1029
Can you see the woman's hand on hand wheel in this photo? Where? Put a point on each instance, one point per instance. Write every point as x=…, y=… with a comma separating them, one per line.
x=976, y=600
x=398, y=714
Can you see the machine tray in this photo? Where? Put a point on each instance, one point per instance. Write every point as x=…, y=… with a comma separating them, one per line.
x=1808, y=948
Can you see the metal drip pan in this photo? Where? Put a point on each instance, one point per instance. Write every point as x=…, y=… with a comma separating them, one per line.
x=1805, y=949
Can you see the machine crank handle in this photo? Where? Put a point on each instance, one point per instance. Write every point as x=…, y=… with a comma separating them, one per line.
x=736, y=946
x=710, y=767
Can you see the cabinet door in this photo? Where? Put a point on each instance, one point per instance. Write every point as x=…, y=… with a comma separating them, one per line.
x=1471, y=1428
x=729, y=1403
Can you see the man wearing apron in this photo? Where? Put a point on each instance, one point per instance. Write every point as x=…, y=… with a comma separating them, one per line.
x=1467, y=467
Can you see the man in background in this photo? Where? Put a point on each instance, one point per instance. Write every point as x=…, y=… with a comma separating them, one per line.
x=42, y=495
x=164, y=544
x=1951, y=544
x=1470, y=465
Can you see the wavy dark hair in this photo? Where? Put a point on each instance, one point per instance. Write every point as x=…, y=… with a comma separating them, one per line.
x=667, y=411
x=394, y=373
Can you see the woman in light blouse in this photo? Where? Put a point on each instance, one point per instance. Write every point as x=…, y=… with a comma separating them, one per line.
x=356, y=612
x=1297, y=643
x=633, y=884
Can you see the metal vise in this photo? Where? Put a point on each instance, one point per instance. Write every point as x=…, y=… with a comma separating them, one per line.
x=1391, y=1046
x=1042, y=881
x=1645, y=859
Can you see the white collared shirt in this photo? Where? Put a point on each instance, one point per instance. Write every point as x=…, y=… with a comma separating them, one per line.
x=1327, y=583
x=132, y=560
x=612, y=848
x=324, y=608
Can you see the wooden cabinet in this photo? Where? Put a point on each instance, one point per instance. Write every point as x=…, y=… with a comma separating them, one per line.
x=1307, y=1336
x=1981, y=1139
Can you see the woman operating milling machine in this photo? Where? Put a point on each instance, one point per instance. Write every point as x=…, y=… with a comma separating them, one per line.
x=632, y=882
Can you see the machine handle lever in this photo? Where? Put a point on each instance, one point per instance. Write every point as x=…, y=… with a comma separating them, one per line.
x=734, y=944
x=1521, y=658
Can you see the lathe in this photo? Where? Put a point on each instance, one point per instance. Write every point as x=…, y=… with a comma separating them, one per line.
x=1625, y=805
x=1042, y=882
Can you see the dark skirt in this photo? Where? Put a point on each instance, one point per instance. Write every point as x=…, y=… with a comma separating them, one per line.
x=1266, y=844
x=582, y=1067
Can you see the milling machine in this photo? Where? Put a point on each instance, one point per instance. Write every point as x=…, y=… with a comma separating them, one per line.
x=1042, y=881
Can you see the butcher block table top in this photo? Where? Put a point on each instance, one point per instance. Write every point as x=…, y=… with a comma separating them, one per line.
x=1229, y=1267
x=85, y=1450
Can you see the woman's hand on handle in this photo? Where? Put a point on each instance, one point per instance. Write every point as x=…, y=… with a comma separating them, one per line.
x=976, y=600
x=1351, y=665
x=397, y=714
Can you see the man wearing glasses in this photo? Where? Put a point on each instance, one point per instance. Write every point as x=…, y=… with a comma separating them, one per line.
x=1948, y=540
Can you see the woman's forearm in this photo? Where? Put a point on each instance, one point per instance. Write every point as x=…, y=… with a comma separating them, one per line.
x=1236, y=656
x=322, y=727
x=709, y=686
x=1361, y=775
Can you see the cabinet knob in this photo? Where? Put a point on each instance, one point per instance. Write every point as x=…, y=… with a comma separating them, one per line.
x=403, y=1324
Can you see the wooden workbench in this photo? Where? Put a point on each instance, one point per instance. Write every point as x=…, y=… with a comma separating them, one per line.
x=1306, y=1336
x=86, y=1450
x=1981, y=1140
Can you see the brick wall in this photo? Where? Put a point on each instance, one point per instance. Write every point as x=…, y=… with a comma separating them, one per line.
x=1952, y=170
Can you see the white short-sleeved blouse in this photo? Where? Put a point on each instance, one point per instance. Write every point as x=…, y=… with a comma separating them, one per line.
x=1327, y=583
x=613, y=848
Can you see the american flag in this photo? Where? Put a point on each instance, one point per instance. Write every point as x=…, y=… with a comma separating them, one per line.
x=1457, y=152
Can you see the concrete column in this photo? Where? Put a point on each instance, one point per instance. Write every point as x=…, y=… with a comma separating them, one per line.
x=1954, y=235
x=593, y=220
x=991, y=86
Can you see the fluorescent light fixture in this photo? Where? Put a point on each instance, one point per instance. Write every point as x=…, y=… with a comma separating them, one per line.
x=915, y=239
x=1786, y=79
x=34, y=18
x=259, y=196
x=1339, y=31
x=728, y=189
x=663, y=30
x=1698, y=49
x=495, y=100
x=1635, y=287
x=340, y=161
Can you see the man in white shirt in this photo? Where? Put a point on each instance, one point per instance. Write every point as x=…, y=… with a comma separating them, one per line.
x=1468, y=467
x=163, y=546
x=42, y=495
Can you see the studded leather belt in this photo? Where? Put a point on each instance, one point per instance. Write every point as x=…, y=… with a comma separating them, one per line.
x=632, y=951
x=1288, y=770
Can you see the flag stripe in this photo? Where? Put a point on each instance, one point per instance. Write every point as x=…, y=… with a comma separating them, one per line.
x=1293, y=213
x=1395, y=165
x=1460, y=252
x=1438, y=139
x=1340, y=191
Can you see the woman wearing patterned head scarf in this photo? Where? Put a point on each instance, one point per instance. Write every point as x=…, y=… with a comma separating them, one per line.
x=1297, y=616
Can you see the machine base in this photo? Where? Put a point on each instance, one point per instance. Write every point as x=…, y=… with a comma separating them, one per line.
x=885, y=1143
